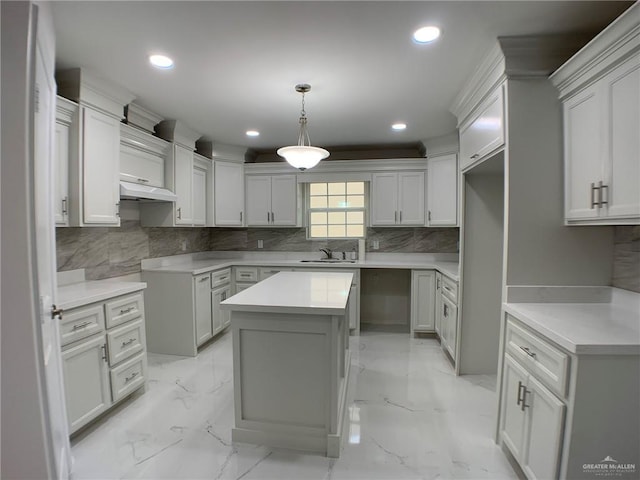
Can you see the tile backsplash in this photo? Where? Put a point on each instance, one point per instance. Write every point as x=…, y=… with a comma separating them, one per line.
x=112, y=252
x=626, y=258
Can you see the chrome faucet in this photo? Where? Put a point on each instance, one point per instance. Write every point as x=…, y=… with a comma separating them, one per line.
x=327, y=251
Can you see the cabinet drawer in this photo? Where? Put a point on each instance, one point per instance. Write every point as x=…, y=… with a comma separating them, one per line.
x=125, y=341
x=81, y=323
x=546, y=362
x=450, y=289
x=221, y=277
x=267, y=272
x=243, y=286
x=123, y=309
x=246, y=274
x=129, y=376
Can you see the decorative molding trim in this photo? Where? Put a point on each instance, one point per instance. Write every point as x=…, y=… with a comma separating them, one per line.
x=229, y=153
x=137, y=139
x=176, y=131
x=65, y=110
x=141, y=117
x=339, y=166
x=201, y=161
x=443, y=145
x=87, y=88
x=609, y=48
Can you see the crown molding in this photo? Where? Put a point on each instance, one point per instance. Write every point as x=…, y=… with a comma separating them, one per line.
x=65, y=110
x=178, y=132
x=141, y=117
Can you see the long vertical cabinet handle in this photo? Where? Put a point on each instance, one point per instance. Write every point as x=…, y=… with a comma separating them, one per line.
x=395, y=217
x=118, y=209
x=593, y=196
x=520, y=398
x=400, y=216
x=64, y=205
x=524, y=398
x=429, y=215
x=240, y=216
x=179, y=213
x=268, y=219
x=601, y=188
x=104, y=352
x=273, y=218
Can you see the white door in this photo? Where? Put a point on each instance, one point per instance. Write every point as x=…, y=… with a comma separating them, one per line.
x=284, y=205
x=583, y=154
x=442, y=191
x=199, y=196
x=229, y=194
x=623, y=176
x=183, y=171
x=101, y=162
x=422, y=300
x=217, y=314
x=411, y=198
x=514, y=381
x=226, y=314
x=258, y=200
x=45, y=90
x=384, y=199
x=202, y=289
x=61, y=175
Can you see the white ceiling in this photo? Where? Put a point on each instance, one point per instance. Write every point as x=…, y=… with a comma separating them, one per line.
x=236, y=62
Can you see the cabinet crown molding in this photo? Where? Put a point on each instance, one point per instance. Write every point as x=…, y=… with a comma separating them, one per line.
x=612, y=46
x=141, y=117
x=141, y=140
x=65, y=109
x=228, y=153
x=442, y=145
x=88, y=88
x=339, y=166
x=176, y=131
x=514, y=57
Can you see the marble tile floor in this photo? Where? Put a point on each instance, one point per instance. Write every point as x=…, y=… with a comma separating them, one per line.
x=409, y=418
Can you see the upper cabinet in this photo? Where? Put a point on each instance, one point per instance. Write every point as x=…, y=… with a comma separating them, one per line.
x=397, y=199
x=66, y=121
x=142, y=157
x=272, y=200
x=483, y=132
x=600, y=91
x=442, y=191
x=201, y=169
x=229, y=194
x=94, y=151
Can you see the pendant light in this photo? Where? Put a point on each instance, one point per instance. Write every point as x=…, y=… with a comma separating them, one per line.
x=303, y=155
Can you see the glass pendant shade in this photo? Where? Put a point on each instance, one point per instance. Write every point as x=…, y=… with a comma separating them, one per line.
x=303, y=156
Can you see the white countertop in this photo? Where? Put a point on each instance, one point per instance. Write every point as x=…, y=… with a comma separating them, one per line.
x=197, y=266
x=586, y=328
x=83, y=293
x=321, y=293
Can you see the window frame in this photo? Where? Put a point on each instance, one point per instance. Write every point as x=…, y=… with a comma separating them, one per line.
x=309, y=210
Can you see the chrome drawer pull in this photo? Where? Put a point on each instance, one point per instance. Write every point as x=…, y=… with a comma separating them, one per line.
x=524, y=398
x=81, y=325
x=204, y=279
x=245, y=274
x=131, y=377
x=475, y=155
x=520, y=399
x=128, y=342
x=127, y=310
x=527, y=351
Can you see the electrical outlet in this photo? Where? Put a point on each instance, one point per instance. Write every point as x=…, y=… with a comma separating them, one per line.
x=260, y=243
x=376, y=244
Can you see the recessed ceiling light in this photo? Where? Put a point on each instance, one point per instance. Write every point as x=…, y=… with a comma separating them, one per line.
x=399, y=126
x=426, y=34
x=253, y=133
x=161, y=61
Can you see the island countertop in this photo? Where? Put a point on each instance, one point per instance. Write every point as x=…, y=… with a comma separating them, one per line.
x=323, y=293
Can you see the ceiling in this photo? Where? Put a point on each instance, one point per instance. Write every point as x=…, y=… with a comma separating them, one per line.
x=237, y=62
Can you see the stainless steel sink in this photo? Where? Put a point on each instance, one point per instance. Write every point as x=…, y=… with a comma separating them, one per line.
x=328, y=260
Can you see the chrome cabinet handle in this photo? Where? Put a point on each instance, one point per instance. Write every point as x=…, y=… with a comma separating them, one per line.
x=104, y=352
x=56, y=312
x=395, y=217
x=437, y=284
x=179, y=213
x=429, y=215
x=127, y=310
x=527, y=351
x=524, y=405
x=400, y=216
x=143, y=180
x=64, y=205
x=245, y=275
x=593, y=196
x=203, y=279
x=128, y=342
x=447, y=288
x=118, y=209
x=240, y=217
x=601, y=189
x=446, y=310
x=475, y=155
x=273, y=218
x=520, y=399
x=81, y=325
x=131, y=377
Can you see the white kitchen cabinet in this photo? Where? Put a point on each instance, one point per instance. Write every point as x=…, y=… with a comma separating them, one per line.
x=442, y=191
x=532, y=422
x=142, y=157
x=86, y=381
x=601, y=107
x=220, y=318
x=183, y=176
x=229, y=194
x=272, y=200
x=449, y=326
x=66, y=120
x=483, y=132
x=101, y=168
x=438, y=305
x=199, y=196
x=258, y=201
x=202, y=305
x=423, y=286
x=397, y=198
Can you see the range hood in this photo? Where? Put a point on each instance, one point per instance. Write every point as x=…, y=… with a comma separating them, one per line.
x=136, y=191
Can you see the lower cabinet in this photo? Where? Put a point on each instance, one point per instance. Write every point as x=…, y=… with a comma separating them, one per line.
x=423, y=287
x=220, y=318
x=203, y=307
x=101, y=366
x=447, y=314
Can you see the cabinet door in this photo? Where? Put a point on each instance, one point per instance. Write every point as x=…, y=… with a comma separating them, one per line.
x=226, y=314
x=442, y=191
x=623, y=98
x=61, y=172
x=183, y=175
x=86, y=381
x=203, y=313
x=583, y=153
x=438, y=305
x=450, y=320
x=199, y=196
x=411, y=198
x=229, y=194
x=284, y=200
x=218, y=315
x=512, y=416
x=353, y=306
x=422, y=301
x=545, y=420
x=384, y=199
x=101, y=165
x=258, y=200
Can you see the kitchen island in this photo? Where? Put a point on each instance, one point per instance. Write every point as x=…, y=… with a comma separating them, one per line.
x=291, y=360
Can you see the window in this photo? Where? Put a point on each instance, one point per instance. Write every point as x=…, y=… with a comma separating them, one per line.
x=336, y=210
